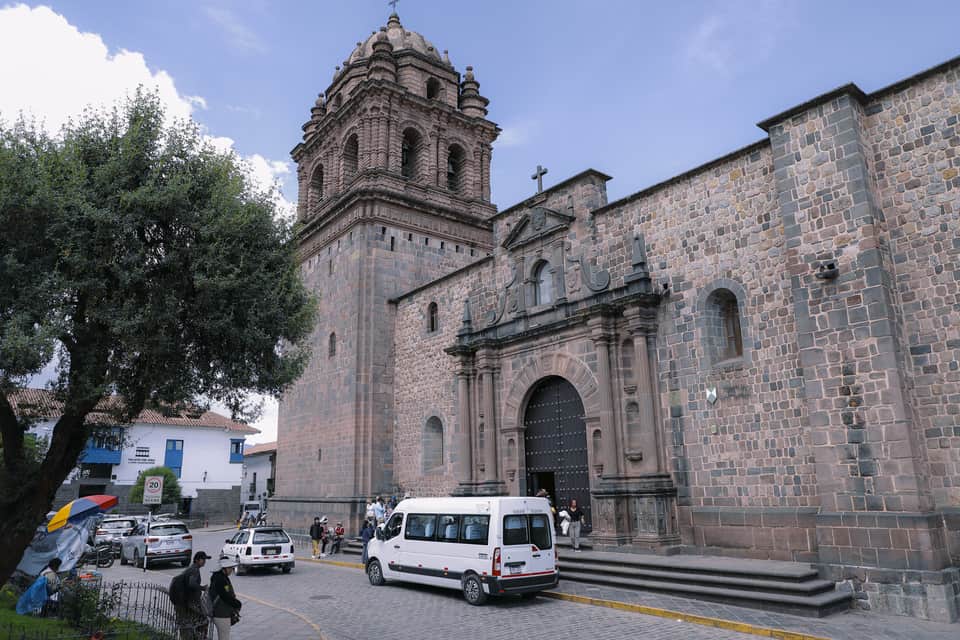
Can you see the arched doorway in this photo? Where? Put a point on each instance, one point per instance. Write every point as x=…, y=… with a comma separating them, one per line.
x=555, y=442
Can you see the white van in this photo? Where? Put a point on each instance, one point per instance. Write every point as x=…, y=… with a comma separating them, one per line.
x=483, y=546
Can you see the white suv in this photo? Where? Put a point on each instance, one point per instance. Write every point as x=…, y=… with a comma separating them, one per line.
x=266, y=546
x=157, y=541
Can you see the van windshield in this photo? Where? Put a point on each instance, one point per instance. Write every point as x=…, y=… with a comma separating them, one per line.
x=527, y=529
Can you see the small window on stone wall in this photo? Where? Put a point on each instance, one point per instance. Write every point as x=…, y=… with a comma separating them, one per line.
x=332, y=345
x=433, y=89
x=455, y=161
x=543, y=285
x=432, y=443
x=723, y=326
x=351, y=157
x=433, y=321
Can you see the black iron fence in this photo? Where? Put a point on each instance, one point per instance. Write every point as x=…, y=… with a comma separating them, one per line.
x=107, y=610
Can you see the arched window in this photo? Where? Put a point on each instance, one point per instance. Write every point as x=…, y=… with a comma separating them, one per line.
x=543, y=284
x=316, y=187
x=433, y=89
x=432, y=443
x=634, y=436
x=409, y=154
x=455, y=161
x=332, y=345
x=723, y=326
x=433, y=320
x=351, y=155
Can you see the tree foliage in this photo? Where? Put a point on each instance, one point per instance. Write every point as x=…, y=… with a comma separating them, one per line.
x=147, y=264
x=171, y=486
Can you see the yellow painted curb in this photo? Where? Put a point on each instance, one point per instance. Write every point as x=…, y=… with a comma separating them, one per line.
x=336, y=563
x=718, y=623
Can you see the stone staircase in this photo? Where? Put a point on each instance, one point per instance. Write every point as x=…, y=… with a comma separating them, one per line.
x=786, y=587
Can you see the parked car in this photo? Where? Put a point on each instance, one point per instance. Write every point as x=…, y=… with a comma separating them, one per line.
x=157, y=541
x=113, y=529
x=265, y=546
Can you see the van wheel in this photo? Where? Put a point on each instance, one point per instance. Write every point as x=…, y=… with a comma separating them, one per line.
x=473, y=590
x=375, y=573
x=241, y=570
x=287, y=568
x=123, y=558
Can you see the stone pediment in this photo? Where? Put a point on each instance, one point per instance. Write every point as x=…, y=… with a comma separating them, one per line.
x=537, y=223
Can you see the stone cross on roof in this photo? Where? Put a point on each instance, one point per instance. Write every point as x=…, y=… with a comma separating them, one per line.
x=393, y=5
x=538, y=176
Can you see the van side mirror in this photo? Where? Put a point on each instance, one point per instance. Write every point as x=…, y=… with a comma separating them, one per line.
x=379, y=533
x=227, y=540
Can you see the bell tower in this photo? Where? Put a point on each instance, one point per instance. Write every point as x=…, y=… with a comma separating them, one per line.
x=394, y=192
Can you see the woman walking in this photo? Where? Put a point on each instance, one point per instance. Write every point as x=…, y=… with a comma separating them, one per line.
x=576, y=516
x=226, y=607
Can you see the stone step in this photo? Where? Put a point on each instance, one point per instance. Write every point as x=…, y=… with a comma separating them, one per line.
x=811, y=605
x=765, y=583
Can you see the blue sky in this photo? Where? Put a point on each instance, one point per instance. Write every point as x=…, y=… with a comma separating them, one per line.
x=639, y=90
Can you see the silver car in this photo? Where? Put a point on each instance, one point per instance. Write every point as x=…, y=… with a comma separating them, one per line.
x=157, y=541
x=113, y=529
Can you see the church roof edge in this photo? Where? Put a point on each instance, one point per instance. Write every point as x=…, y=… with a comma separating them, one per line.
x=852, y=89
x=527, y=202
x=427, y=285
x=753, y=146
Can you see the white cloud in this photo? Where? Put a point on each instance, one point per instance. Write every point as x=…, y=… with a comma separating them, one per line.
x=737, y=34
x=52, y=71
x=60, y=70
x=239, y=35
x=517, y=134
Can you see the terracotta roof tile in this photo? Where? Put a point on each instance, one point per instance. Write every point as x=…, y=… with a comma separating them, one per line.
x=263, y=447
x=42, y=402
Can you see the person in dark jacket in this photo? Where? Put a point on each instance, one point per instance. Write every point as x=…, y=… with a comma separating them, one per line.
x=317, y=531
x=225, y=603
x=366, y=533
x=189, y=611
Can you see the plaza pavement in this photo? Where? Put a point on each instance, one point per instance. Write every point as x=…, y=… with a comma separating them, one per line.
x=333, y=600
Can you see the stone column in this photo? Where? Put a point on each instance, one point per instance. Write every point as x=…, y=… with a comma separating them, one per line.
x=650, y=441
x=489, y=427
x=601, y=340
x=464, y=461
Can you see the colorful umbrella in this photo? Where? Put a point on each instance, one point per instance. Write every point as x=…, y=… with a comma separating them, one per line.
x=81, y=508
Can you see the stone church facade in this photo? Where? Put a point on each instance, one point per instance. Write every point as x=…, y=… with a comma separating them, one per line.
x=757, y=358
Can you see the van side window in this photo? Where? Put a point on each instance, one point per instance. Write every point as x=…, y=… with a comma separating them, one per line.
x=515, y=530
x=420, y=527
x=393, y=526
x=448, y=528
x=540, y=531
x=474, y=529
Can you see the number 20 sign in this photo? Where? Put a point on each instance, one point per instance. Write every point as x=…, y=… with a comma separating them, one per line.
x=152, y=489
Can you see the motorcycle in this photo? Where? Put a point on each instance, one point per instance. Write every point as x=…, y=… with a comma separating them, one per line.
x=99, y=556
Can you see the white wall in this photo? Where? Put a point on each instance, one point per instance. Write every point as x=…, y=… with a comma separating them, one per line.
x=204, y=450
x=259, y=464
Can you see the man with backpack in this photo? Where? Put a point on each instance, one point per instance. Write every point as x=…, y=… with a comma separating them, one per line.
x=186, y=592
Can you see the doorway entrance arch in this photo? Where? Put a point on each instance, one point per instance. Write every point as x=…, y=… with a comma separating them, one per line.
x=555, y=445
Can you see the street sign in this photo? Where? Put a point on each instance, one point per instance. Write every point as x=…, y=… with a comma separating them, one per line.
x=152, y=489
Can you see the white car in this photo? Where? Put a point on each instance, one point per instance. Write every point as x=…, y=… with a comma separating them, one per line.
x=113, y=529
x=265, y=546
x=157, y=541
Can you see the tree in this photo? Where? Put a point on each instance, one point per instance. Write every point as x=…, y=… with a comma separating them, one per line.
x=171, y=487
x=146, y=265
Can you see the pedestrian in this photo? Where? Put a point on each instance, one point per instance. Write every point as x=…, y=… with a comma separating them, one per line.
x=378, y=510
x=226, y=606
x=576, y=516
x=53, y=578
x=186, y=591
x=324, y=537
x=41, y=596
x=338, y=534
x=366, y=533
x=370, y=513
x=316, y=535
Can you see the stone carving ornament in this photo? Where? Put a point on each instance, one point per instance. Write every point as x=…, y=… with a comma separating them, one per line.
x=594, y=280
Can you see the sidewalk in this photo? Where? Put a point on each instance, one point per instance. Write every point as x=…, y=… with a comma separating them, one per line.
x=851, y=625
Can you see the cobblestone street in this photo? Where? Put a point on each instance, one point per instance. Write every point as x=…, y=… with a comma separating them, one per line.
x=327, y=601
